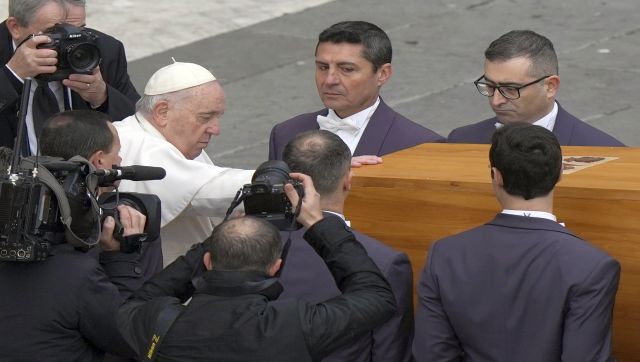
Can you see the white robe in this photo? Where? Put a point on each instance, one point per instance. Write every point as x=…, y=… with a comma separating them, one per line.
x=195, y=194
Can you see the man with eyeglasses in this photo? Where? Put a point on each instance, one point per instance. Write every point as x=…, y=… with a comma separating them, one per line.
x=521, y=80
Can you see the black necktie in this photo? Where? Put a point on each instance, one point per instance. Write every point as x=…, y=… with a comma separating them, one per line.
x=44, y=105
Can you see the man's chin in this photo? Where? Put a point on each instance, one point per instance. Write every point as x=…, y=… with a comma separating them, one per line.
x=507, y=117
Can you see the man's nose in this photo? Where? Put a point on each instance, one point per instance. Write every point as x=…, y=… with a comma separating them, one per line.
x=332, y=77
x=497, y=99
x=214, y=128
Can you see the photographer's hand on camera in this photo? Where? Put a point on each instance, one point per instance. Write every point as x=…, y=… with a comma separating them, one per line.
x=310, y=210
x=29, y=61
x=91, y=87
x=132, y=221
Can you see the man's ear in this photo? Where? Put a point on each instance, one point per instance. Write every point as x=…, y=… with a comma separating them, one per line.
x=561, y=172
x=14, y=28
x=497, y=177
x=384, y=74
x=346, y=185
x=273, y=269
x=552, y=85
x=206, y=259
x=96, y=160
x=160, y=114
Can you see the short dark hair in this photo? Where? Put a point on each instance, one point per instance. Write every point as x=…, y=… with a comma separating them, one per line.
x=244, y=244
x=376, y=43
x=78, y=132
x=528, y=44
x=321, y=155
x=528, y=157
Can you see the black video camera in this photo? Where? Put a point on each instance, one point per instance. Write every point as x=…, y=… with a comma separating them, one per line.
x=49, y=201
x=77, y=49
x=146, y=204
x=265, y=197
x=46, y=201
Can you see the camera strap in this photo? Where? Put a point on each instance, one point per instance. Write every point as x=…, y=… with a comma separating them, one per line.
x=165, y=320
x=45, y=176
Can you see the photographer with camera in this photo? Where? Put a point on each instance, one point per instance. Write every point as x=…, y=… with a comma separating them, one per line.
x=234, y=308
x=75, y=68
x=91, y=134
x=63, y=307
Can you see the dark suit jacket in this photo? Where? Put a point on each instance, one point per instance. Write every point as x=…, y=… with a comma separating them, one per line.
x=121, y=95
x=64, y=308
x=569, y=130
x=515, y=289
x=387, y=132
x=306, y=276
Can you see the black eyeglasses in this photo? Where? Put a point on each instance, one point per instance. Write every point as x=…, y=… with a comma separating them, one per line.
x=507, y=91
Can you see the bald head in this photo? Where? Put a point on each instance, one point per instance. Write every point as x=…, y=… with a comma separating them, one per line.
x=321, y=155
x=244, y=244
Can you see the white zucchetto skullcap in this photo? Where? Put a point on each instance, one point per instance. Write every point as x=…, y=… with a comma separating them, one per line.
x=177, y=76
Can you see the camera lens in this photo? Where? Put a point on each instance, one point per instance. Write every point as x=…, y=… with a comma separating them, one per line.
x=271, y=173
x=83, y=58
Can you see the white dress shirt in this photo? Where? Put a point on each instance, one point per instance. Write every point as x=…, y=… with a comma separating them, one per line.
x=360, y=120
x=57, y=89
x=548, y=121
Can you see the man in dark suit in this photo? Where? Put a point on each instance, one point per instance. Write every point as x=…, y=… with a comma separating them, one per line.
x=323, y=156
x=521, y=287
x=353, y=61
x=63, y=308
x=521, y=80
x=108, y=89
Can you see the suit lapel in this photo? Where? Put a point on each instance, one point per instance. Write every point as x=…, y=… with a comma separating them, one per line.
x=374, y=135
x=312, y=122
x=7, y=45
x=563, y=128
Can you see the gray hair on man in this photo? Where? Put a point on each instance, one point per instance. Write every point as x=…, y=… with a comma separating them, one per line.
x=24, y=10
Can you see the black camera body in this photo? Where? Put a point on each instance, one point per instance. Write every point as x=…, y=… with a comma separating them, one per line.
x=265, y=197
x=22, y=226
x=49, y=201
x=77, y=49
x=30, y=216
x=146, y=204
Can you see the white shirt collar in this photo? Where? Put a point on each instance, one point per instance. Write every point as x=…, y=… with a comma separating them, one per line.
x=359, y=119
x=528, y=213
x=548, y=121
x=340, y=216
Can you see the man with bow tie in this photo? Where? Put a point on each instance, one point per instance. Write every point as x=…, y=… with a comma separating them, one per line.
x=353, y=61
x=108, y=89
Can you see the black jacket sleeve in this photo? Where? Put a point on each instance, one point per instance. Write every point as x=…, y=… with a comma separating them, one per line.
x=177, y=279
x=104, y=291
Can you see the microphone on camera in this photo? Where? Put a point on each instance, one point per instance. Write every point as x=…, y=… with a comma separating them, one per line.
x=133, y=173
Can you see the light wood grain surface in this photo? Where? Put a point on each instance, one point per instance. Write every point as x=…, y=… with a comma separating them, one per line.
x=431, y=191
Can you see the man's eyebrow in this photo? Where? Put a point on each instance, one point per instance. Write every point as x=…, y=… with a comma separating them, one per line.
x=340, y=64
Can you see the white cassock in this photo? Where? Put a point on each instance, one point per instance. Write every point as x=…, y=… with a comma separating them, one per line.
x=195, y=194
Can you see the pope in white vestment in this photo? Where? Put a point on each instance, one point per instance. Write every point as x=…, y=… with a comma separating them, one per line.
x=195, y=194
